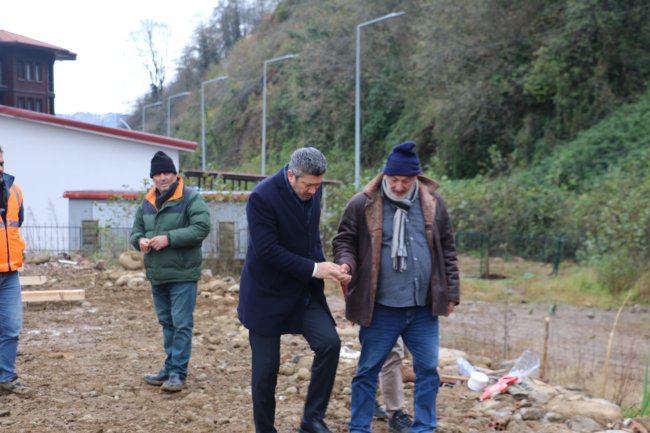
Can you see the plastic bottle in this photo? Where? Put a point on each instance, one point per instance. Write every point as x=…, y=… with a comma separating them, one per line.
x=526, y=365
x=464, y=366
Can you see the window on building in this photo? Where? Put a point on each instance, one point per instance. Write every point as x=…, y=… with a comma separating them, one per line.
x=20, y=70
x=28, y=71
x=38, y=76
x=21, y=102
x=2, y=80
x=30, y=104
x=38, y=105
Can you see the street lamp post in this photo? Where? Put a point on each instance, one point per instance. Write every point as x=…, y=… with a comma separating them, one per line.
x=169, y=108
x=357, y=98
x=266, y=62
x=144, y=108
x=203, y=84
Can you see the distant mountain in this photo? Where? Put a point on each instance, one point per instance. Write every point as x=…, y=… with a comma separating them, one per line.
x=108, y=119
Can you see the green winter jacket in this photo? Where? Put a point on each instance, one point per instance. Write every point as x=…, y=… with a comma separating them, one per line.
x=185, y=219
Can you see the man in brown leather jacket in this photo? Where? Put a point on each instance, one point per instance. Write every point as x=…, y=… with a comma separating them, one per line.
x=396, y=242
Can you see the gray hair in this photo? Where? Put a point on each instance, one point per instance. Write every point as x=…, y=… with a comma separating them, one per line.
x=307, y=160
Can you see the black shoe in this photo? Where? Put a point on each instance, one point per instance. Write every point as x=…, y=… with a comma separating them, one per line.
x=379, y=412
x=156, y=379
x=400, y=422
x=313, y=427
x=174, y=384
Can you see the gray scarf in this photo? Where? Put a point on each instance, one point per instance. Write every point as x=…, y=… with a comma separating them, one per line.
x=402, y=205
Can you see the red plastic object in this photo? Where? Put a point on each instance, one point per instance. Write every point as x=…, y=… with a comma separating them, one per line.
x=500, y=387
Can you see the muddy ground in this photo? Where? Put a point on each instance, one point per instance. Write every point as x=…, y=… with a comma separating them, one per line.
x=85, y=360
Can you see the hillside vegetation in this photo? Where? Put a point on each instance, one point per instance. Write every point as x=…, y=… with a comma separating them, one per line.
x=534, y=115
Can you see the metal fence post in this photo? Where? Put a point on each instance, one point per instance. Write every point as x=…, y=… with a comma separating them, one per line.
x=484, y=266
x=558, y=256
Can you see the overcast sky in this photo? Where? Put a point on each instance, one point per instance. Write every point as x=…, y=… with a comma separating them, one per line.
x=107, y=75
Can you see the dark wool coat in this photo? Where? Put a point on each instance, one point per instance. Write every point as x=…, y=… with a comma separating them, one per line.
x=282, y=250
x=358, y=244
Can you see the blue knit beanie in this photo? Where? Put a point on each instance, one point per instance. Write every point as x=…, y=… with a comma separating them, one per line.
x=403, y=161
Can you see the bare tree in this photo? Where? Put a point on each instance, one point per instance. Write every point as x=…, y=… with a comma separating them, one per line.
x=152, y=44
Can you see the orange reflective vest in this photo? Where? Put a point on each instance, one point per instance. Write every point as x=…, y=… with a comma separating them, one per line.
x=12, y=244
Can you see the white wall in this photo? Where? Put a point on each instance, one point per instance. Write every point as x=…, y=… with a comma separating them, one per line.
x=50, y=159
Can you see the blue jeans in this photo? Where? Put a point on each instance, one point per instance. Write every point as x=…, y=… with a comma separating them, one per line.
x=419, y=330
x=11, y=319
x=174, y=304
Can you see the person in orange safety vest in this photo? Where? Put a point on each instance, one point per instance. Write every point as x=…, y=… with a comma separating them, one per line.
x=12, y=246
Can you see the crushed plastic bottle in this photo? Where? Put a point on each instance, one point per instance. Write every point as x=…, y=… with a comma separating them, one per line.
x=526, y=365
x=464, y=366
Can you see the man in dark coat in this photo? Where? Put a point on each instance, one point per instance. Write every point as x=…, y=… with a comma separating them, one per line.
x=281, y=288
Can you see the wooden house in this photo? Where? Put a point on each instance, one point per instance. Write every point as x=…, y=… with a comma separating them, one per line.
x=27, y=72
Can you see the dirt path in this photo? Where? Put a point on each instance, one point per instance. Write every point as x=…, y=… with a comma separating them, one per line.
x=85, y=361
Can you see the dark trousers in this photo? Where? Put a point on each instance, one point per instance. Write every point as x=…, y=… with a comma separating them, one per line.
x=320, y=333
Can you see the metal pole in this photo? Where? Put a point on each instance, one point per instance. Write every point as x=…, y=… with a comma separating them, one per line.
x=169, y=106
x=357, y=96
x=202, y=127
x=266, y=62
x=223, y=77
x=144, y=109
x=263, y=170
x=357, y=114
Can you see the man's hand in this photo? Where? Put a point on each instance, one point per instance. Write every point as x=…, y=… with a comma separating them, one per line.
x=450, y=307
x=159, y=242
x=329, y=271
x=347, y=276
x=145, y=247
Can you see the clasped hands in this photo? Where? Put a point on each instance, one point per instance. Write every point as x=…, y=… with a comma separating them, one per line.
x=156, y=243
x=334, y=272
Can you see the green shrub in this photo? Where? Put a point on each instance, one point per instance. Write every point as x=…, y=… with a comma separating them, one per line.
x=618, y=271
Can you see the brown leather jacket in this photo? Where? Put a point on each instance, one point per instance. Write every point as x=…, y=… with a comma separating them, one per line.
x=358, y=244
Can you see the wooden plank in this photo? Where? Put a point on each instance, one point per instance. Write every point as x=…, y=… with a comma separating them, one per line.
x=37, y=280
x=453, y=378
x=53, y=295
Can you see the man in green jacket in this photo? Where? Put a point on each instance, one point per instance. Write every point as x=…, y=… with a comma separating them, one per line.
x=169, y=228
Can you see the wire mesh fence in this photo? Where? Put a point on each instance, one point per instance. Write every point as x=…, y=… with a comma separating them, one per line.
x=110, y=242
x=486, y=254
x=492, y=251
